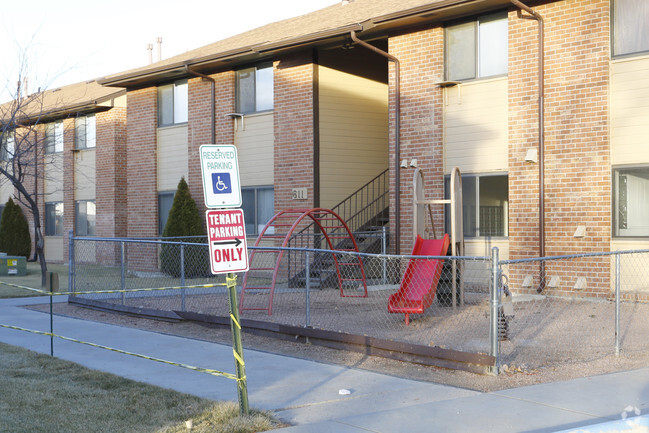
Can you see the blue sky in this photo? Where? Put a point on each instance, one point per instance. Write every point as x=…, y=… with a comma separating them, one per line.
x=69, y=41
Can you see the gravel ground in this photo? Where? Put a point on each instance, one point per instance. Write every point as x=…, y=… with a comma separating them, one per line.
x=567, y=361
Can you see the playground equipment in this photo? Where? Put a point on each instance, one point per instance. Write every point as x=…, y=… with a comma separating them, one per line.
x=281, y=228
x=419, y=284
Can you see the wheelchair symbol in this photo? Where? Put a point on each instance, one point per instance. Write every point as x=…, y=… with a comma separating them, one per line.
x=221, y=183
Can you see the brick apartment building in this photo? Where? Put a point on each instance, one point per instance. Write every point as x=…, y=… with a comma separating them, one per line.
x=311, y=109
x=79, y=178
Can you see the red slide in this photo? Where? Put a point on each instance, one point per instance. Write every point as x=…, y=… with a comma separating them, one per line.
x=419, y=283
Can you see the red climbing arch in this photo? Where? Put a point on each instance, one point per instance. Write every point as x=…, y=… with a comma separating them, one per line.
x=283, y=226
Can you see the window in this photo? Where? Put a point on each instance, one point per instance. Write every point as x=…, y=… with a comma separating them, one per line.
x=478, y=48
x=255, y=89
x=631, y=201
x=54, y=137
x=85, y=216
x=85, y=135
x=165, y=200
x=485, y=205
x=630, y=26
x=54, y=219
x=8, y=146
x=258, y=207
x=173, y=102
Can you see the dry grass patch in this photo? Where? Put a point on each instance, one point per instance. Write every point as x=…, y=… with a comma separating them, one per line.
x=45, y=394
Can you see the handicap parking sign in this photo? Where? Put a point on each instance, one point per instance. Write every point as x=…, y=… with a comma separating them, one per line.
x=221, y=183
x=220, y=170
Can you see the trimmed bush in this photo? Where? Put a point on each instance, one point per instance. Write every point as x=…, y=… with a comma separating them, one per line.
x=14, y=231
x=184, y=220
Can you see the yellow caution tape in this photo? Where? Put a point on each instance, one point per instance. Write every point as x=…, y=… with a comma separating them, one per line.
x=137, y=355
x=90, y=292
x=235, y=321
x=231, y=281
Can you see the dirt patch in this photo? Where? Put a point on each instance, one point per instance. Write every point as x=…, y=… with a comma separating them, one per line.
x=511, y=376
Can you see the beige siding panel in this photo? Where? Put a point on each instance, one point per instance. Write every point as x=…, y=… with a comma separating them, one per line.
x=353, y=133
x=53, y=177
x=254, y=142
x=634, y=276
x=54, y=248
x=476, y=126
x=172, y=157
x=629, y=111
x=84, y=177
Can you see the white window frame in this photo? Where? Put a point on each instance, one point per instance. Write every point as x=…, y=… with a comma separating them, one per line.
x=469, y=232
x=254, y=219
x=8, y=146
x=54, y=210
x=85, y=132
x=54, y=137
x=262, y=97
x=480, y=26
x=178, y=111
x=634, y=14
x=85, y=217
x=631, y=208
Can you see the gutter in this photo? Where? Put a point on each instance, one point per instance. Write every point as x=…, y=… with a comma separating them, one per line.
x=397, y=140
x=212, y=99
x=533, y=15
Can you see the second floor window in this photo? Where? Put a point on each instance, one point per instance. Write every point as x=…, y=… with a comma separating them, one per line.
x=630, y=26
x=85, y=135
x=173, y=101
x=255, y=89
x=477, y=49
x=7, y=146
x=54, y=137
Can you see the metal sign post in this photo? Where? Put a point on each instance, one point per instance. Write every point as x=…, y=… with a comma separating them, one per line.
x=226, y=233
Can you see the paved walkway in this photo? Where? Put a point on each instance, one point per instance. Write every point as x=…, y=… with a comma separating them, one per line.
x=306, y=393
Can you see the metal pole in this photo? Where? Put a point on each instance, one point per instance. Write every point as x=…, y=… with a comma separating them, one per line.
x=71, y=284
x=51, y=318
x=384, y=249
x=123, y=271
x=182, y=276
x=493, y=329
x=617, y=305
x=235, y=325
x=308, y=290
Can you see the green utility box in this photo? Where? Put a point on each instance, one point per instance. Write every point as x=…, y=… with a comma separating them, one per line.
x=12, y=265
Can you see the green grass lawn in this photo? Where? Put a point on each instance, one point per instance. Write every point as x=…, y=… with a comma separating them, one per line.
x=45, y=394
x=32, y=279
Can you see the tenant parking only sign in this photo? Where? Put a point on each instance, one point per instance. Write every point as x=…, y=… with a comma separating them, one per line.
x=220, y=169
x=226, y=233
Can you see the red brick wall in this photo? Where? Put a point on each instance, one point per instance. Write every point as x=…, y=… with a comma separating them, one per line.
x=577, y=163
x=293, y=122
x=110, y=163
x=421, y=54
x=199, y=130
x=141, y=163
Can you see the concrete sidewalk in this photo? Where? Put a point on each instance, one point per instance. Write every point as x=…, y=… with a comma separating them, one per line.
x=306, y=393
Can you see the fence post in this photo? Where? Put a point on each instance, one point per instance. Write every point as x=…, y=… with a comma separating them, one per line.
x=71, y=282
x=493, y=316
x=617, y=304
x=235, y=325
x=307, y=270
x=182, y=275
x=384, y=252
x=122, y=260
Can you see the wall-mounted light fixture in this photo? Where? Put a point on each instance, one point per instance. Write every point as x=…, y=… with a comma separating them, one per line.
x=404, y=163
x=413, y=163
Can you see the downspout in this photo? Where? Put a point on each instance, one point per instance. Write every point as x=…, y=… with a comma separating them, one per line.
x=533, y=15
x=212, y=98
x=397, y=141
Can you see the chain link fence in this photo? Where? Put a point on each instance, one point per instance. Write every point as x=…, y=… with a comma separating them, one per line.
x=542, y=312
